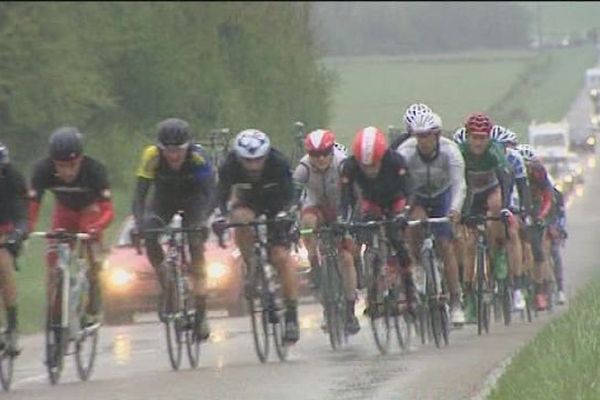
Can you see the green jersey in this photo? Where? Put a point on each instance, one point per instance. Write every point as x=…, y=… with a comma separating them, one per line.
x=480, y=171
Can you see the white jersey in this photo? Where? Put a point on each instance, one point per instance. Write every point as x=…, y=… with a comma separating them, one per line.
x=432, y=178
x=322, y=188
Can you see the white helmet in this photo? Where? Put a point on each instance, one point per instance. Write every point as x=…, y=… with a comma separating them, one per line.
x=251, y=143
x=340, y=147
x=420, y=118
x=503, y=135
x=460, y=135
x=526, y=152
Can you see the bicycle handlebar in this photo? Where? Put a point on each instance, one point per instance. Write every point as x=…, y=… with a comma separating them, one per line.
x=62, y=235
x=221, y=227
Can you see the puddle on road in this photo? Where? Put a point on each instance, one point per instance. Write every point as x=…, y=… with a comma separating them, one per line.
x=121, y=348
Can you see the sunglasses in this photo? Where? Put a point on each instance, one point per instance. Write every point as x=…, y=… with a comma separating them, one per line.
x=173, y=147
x=317, y=154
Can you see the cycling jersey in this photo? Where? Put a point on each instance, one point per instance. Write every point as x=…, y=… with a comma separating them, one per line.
x=13, y=199
x=90, y=191
x=520, y=199
x=432, y=177
x=194, y=180
x=482, y=171
x=391, y=185
x=541, y=189
x=322, y=187
x=271, y=193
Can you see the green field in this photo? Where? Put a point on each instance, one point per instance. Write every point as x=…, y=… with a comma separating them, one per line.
x=514, y=86
x=563, y=361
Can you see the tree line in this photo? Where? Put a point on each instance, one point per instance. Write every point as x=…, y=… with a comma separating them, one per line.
x=115, y=69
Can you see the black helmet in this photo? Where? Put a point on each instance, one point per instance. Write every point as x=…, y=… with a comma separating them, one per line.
x=173, y=132
x=65, y=144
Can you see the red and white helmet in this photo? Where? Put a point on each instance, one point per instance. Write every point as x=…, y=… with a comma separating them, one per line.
x=369, y=145
x=480, y=123
x=320, y=141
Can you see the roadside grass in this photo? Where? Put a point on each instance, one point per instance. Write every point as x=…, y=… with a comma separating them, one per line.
x=563, y=360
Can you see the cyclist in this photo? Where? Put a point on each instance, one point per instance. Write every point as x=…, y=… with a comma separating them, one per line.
x=558, y=234
x=319, y=175
x=183, y=180
x=13, y=230
x=541, y=198
x=83, y=203
x=488, y=179
x=261, y=181
x=384, y=182
x=437, y=169
x=520, y=204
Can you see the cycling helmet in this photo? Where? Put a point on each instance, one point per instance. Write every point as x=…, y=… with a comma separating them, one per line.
x=526, y=152
x=369, y=145
x=511, y=138
x=340, y=147
x=460, y=135
x=320, y=141
x=499, y=134
x=65, y=144
x=251, y=143
x=173, y=132
x=478, y=122
x=4, y=155
x=419, y=119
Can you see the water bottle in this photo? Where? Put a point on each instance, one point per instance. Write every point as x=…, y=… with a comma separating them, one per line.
x=269, y=274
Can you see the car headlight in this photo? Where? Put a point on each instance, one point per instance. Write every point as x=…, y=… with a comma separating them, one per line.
x=216, y=270
x=568, y=179
x=579, y=170
x=591, y=141
x=120, y=277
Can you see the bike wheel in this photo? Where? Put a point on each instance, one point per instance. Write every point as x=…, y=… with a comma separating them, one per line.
x=6, y=366
x=379, y=308
x=334, y=303
x=173, y=323
x=259, y=320
x=278, y=331
x=85, y=352
x=507, y=300
x=402, y=327
x=55, y=335
x=434, y=306
x=192, y=340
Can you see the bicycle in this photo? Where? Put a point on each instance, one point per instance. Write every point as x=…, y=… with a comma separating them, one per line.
x=262, y=290
x=6, y=357
x=177, y=306
x=383, y=284
x=65, y=309
x=332, y=284
x=434, y=312
x=486, y=287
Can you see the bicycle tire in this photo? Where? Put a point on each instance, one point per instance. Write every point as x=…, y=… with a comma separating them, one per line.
x=479, y=295
x=85, y=365
x=192, y=340
x=259, y=318
x=334, y=303
x=379, y=308
x=55, y=335
x=173, y=322
x=6, y=365
x=433, y=304
x=84, y=360
x=506, y=303
x=278, y=331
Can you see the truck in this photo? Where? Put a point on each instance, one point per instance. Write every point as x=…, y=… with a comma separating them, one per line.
x=550, y=139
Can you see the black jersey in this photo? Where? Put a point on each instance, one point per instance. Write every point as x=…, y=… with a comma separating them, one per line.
x=13, y=198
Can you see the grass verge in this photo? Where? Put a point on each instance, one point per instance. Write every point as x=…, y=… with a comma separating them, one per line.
x=563, y=360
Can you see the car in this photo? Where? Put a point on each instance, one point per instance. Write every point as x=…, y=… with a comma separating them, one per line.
x=129, y=282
